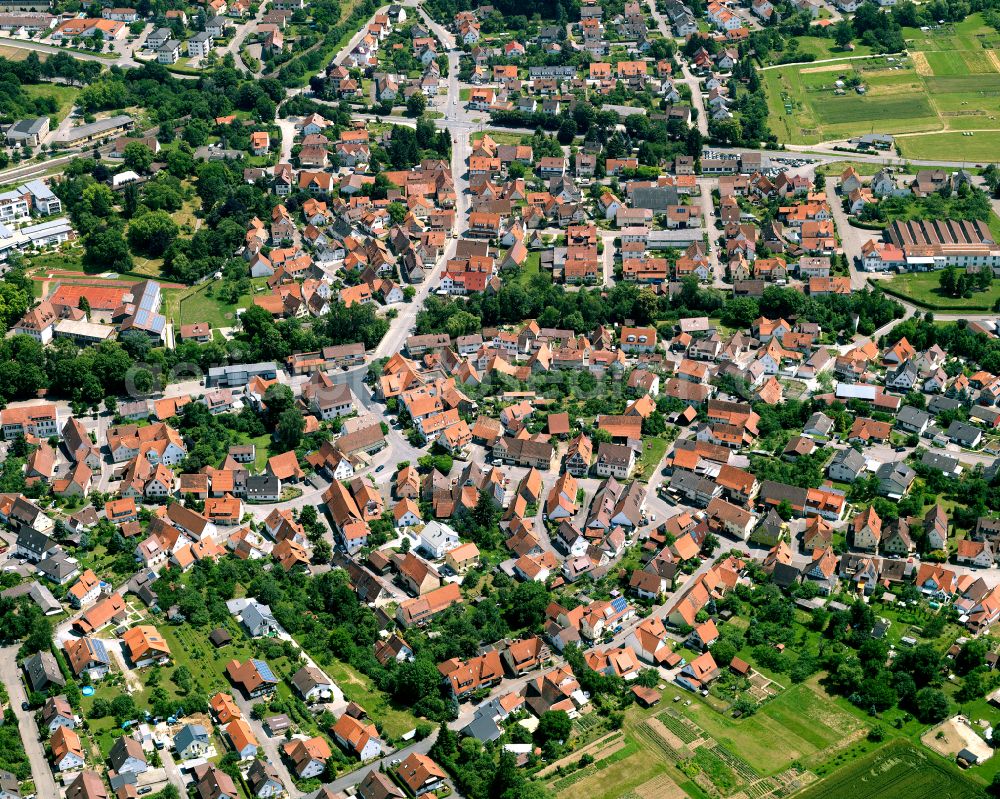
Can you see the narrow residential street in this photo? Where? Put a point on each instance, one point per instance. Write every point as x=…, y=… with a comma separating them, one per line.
x=461, y=148
x=358, y=775
x=708, y=222
x=172, y=770
x=243, y=30
x=852, y=238
x=287, y=127
x=697, y=101
x=271, y=746
x=608, y=256
x=41, y=773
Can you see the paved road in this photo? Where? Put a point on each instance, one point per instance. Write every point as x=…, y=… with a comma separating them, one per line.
x=271, y=746
x=692, y=82
x=402, y=325
x=45, y=784
x=824, y=152
x=123, y=61
x=823, y=61
x=697, y=100
x=852, y=239
x=236, y=43
x=357, y=37
x=288, y=133
x=608, y=257
x=34, y=170
x=172, y=770
x=709, y=219
x=357, y=776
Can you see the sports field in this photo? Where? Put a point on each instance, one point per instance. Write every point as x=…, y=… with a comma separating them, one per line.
x=948, y=81
x=896, y=771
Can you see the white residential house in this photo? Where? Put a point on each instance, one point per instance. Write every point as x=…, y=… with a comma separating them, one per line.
x=438, y=539
x=199, y=45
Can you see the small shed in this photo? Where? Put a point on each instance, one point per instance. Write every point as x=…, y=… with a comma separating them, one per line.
x=740, y=667
x=220, y=637
x=276, y=725
x=647, y=697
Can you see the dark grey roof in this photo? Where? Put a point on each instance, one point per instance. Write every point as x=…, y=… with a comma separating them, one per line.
x=780, y=491
x=656, y=198
x=897, y=471
x=849, y=458
x=58, y=566
x=483, y=727
x=265, y=484
x=785, y=574
x=913, y=417
x=939, y=404
x=43, y=670
x=963, y=432
x=31, y=539
x=945, y=463
x=28, y=127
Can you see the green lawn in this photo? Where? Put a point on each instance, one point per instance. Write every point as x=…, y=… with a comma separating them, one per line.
x=358, y=688
x=924, y=288
x=823, y=47
x=263, y=451
x=69, y=261
x=199, y=306
x=653, y=450
x=530, y=268
x=499, y=136
x=621, y=768
x=836, y=168
x=190, y=647
x=65, y=96
x=802, y=723
x=980, y=147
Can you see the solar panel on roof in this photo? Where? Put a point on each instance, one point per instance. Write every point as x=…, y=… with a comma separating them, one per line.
x=619, y=604
x=98, y=648
x=264, y=671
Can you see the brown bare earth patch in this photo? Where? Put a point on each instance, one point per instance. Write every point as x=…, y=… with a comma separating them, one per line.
x=920, y=63
x=952, y=736
x=660, y=729
x=661, y=787
x=822, y=68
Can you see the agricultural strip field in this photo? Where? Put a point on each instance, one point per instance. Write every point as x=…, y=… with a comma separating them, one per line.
x=694, y=749
x=949, y=81
x=800, y=724
x=896, y=771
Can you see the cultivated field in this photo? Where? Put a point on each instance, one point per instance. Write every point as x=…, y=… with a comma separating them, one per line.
x=896, y=771
x=949, y=81
x=678, y=748
x=800, y=724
